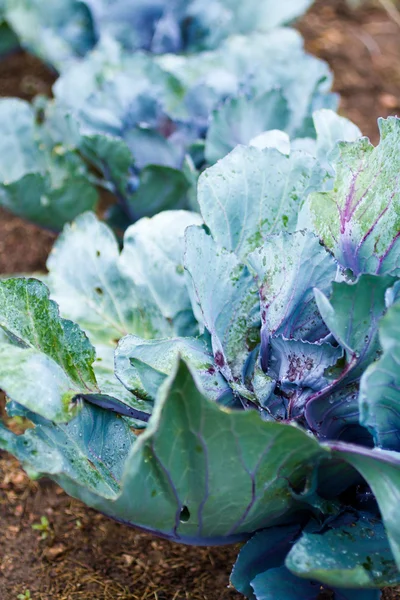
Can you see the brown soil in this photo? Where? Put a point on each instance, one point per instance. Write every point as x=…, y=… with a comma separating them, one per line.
x=23, y=246
x=85, y=555
x=363, y=50
x=89, y=557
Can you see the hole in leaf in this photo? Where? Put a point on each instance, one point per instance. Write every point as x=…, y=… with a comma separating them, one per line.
x=99, y=291
x=185, y=515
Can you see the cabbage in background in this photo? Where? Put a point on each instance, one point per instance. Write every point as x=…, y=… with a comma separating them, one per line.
x=143, y=127
x=64, y=30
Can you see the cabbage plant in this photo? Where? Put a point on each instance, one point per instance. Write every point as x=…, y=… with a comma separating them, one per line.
x=231, y=375
x=143, y=127
x=63, y=31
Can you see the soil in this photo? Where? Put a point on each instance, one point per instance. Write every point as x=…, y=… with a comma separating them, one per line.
x=83, y=555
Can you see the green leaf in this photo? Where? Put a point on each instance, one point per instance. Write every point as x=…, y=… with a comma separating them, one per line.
x=260, y=572
x=53, y=360
x=355, y=554
x=179, y=472
x=253, y=193
x=56, y=33
x=241, y=119
x=18, y=147
x=90, y=450
x=8, y=39
x=39, y=199
x=37, y=382
x=111, y=156
x=161, y=188
x=359, y=220
x=93, y=289
x=110, y=385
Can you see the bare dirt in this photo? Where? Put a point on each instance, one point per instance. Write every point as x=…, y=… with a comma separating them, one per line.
x=84, y=555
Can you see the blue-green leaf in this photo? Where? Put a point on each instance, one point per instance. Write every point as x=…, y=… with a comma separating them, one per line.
x=143, y=365
x=288, y=268
x=353, y=554
x=380, y=386
x=42, y=181
x=352, y=314
x=153, y=258
x=266, y=550
x=381, y=470
x=240, y=119
x=280, y=583
x=228, y=300
x=253, y=193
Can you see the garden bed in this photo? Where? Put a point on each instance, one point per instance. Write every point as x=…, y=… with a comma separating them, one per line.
x=85, y=555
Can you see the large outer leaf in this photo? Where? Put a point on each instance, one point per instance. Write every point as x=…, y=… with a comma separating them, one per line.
x=360, y=219
x=356, y=554
x=37, y=382
x=93, y=289
x=252, y=193
x=198, y=474
x=288, y=268
x=380, y=386
x=228, y=299
x=54, y=358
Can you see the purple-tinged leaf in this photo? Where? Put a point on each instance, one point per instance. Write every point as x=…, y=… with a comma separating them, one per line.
x=288, y=268
x=359, y=220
